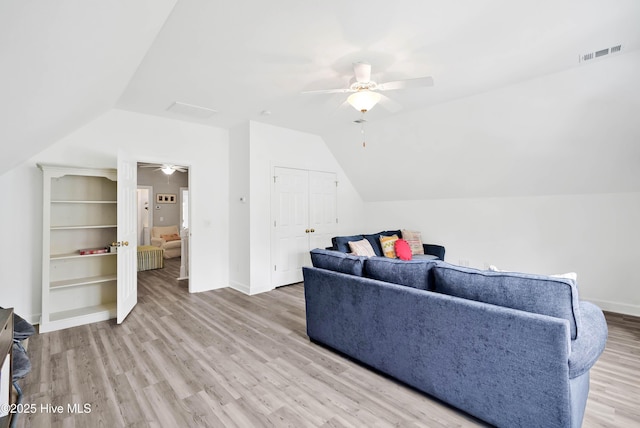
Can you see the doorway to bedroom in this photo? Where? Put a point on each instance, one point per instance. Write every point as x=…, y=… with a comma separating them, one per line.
x=163, y=220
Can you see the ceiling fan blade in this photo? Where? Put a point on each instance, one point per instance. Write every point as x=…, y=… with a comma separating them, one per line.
x=329, y=91
x=362, y=71
x=389, y=105
x=406, y=84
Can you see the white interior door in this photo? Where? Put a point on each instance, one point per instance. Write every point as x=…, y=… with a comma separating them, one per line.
x=304, y=217
x=290, y=213
x=127, y=239
x=322, y=210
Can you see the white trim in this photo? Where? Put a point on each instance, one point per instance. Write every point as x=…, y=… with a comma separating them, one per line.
x=620, y=308
x=243, y=288
x=151, y=205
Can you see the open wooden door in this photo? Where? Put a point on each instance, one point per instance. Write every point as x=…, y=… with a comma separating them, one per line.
x=127, y=235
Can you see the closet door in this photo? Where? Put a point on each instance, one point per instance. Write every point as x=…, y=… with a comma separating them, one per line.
x=290, y=236
x=322, y=210
x=304, y=217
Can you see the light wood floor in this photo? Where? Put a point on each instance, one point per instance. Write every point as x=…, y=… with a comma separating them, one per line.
x=222, y=358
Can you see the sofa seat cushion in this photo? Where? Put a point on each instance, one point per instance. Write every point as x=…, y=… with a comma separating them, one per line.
x=556, y=297
x=338, y=261
x=411, y=273
x=424, y=257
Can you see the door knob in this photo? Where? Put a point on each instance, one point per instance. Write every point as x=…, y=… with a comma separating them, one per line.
x=120, y=244
x=306, y=231
x=313, y=230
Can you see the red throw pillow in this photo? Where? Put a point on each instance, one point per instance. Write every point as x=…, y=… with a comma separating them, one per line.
x=403, y=250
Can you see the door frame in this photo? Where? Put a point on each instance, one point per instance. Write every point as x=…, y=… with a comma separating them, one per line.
x=189, y=175
x=151, y=204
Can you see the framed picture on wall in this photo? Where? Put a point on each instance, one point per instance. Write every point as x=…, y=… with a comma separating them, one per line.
x=166, y=198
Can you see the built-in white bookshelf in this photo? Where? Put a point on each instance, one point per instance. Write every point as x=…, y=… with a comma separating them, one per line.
x=79, y=213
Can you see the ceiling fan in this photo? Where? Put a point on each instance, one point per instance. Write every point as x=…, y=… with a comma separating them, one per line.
x=365, y=92
x=168, y=169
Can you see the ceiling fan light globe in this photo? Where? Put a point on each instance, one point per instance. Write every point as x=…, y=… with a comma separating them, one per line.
x=364, y=100
x=168, y=170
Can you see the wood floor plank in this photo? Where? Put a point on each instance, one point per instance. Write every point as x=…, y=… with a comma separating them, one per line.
x=225, y=359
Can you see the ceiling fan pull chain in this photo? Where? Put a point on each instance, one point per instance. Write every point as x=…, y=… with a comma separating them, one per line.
x=364, y=144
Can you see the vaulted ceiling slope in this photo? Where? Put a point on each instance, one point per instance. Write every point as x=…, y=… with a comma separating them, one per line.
x=65, y=62
x=513, y=110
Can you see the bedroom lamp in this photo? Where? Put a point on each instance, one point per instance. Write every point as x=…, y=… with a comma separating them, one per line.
x=364, y=100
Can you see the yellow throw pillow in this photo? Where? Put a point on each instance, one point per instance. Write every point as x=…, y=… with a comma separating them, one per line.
x=387, y=243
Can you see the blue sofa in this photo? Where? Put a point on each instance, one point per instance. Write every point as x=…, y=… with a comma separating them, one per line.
x=341, y=243
x=511, y=349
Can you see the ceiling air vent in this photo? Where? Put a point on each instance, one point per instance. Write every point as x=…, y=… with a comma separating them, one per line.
x=599, y=54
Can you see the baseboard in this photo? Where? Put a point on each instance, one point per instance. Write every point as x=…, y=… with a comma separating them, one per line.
x=620, y=308
x=35, y=319
x=260, y=290
x=246, y=289
x=243, y=288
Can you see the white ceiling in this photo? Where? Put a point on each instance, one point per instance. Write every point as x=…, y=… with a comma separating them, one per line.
x=243, y=57
x=65, y=62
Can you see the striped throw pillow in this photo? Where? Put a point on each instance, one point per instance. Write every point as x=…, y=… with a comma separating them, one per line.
x=361, y=248
x=414, y=239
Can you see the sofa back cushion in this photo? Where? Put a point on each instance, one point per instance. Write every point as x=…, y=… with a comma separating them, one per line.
x=374, y=239
x=158, y=231
x=556, y=297
x=337, y=261
x=341, y=243
x=412, y=273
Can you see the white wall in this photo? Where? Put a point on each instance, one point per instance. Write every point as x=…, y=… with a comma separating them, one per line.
x=572, y=132
x=204, y=149
x=272, y=146
x=162, y=183
x=239, y=243
x=595, y=236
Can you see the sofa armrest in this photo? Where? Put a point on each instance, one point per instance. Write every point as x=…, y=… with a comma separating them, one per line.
x=590, y=342
x=157, y=242
x=434, y=250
